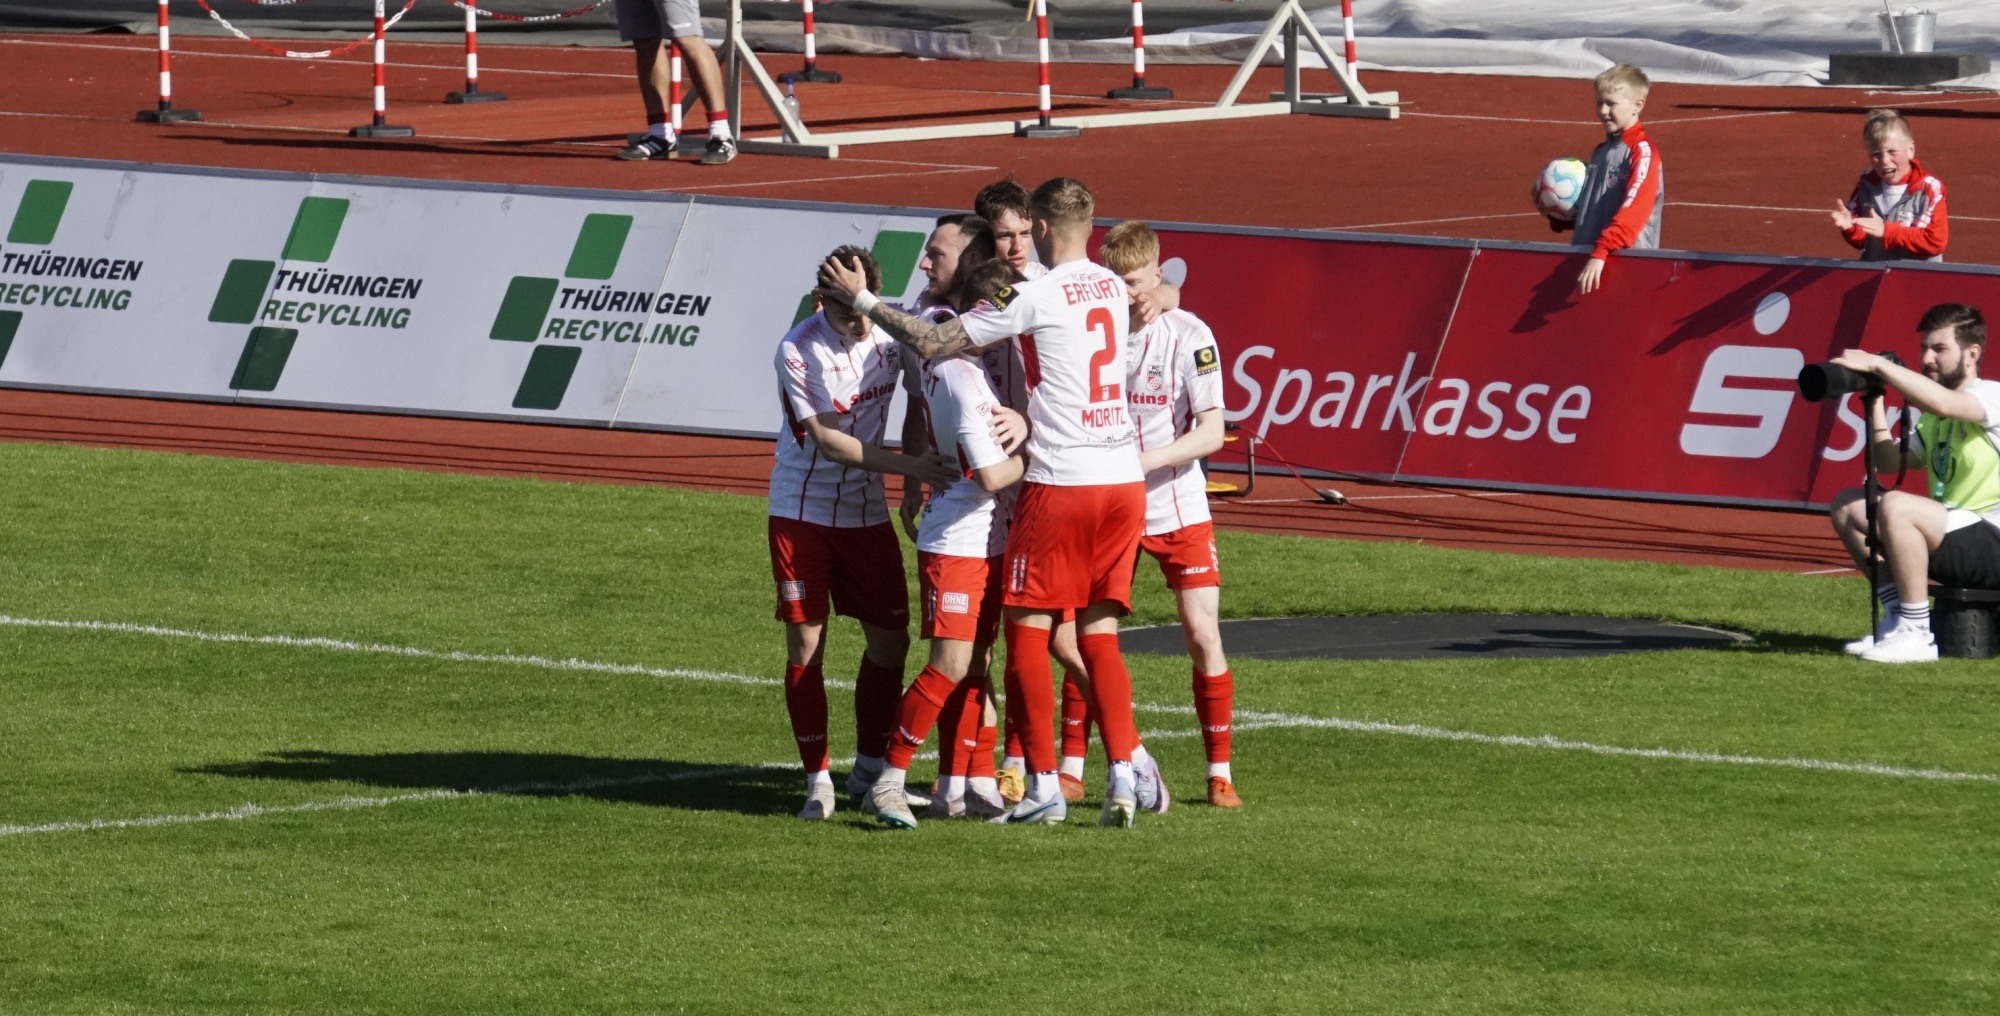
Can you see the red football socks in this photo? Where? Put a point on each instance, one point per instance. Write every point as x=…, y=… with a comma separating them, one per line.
x=805, y=700
x=1075, y=718
x=1031, y=683
x=1213, y=694
x=983, y=738
x=917, y=713
x=1110, y=694
x=878, y=695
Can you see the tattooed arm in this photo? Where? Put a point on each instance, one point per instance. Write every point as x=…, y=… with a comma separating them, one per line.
x=848, y=284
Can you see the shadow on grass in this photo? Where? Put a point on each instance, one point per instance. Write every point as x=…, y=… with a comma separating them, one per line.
x=749, y=790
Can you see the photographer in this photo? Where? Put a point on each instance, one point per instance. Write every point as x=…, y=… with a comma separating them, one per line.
x=1953, y=535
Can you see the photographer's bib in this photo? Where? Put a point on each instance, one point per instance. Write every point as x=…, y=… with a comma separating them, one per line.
x=1963, y=458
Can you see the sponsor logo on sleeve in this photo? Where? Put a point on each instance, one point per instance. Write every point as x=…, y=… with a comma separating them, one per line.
x=1206, y=361
x=1001, y=299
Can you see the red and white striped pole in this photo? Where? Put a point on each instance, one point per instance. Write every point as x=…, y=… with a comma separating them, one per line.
x=166, y=113
x=1139, y=89
x=674, y=86
x=1347, y=28
x=380, y=127
x=812, y=71
x=472, y=92
x=1043, y=128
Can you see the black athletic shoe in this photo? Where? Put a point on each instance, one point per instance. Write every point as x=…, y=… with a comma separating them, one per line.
x=649, y=147
x=719, y=151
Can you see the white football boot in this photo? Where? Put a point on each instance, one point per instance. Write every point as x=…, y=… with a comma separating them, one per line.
x=819, y=804
x=888, y=804
x=1121, y=802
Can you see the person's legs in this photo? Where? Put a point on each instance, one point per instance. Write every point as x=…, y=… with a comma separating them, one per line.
x=1911, y=528
x=801, y=567
x=1214, y=686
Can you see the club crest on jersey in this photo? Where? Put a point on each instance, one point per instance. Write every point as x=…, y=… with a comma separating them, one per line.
x=1205, y=360
x=1155, y=376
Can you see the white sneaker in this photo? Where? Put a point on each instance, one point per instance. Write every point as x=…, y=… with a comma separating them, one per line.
x=1052, y=810
x=1904, y=644
x=890, y=807
x=819, y=806
x=1121, y=804
x=1866, y=642
x=861, y=779
x=1149, y=786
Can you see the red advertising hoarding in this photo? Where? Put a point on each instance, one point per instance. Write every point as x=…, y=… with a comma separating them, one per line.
x=1481, y=365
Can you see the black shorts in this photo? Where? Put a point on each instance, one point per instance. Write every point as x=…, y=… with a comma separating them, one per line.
x=1968, y=557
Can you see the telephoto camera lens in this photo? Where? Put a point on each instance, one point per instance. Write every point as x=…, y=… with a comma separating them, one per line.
x=1819, y=381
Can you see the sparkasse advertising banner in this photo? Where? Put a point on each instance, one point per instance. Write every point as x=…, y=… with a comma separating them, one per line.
x=1430, y=360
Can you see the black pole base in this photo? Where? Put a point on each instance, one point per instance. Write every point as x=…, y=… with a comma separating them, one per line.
x=817, y=76
x=382, y=130
x=471, y=95
x=1140, y=92
x=167, y=116
x=1047, y=130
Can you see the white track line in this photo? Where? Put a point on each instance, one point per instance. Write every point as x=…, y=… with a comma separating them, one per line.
x=1426, y=222
x=824, y=179
x=1246, y=720
x=1809, y=211
x=1829, y=571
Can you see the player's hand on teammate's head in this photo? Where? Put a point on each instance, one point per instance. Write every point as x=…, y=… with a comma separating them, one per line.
x=1149, y=305
x=842, y=280
x=1010, y=429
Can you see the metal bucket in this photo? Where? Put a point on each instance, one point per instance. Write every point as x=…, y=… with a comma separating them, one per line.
x=1916, y=32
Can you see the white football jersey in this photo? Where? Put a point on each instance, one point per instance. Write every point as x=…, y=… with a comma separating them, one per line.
x=820, y=372
x=1071, y=328
x=963, y=520
x=1175, y=372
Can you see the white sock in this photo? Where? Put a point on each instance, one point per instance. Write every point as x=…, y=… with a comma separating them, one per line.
x=985, y=786
x=1916, y=615
x=1072, y=766
x=719, y=128
x=660, y=130
x=1139, y=756
x=953, y=788
x=893, y=777
x=1121, y=771
x=814, y=781
x=1014, y=762
x=1044, y=786
x=1219, y=769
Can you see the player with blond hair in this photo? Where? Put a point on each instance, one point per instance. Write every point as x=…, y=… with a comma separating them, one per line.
x=1082, y=507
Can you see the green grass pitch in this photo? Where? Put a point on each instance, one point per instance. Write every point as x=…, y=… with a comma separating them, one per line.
x=475, y=836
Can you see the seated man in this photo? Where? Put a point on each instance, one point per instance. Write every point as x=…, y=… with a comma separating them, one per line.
x=1952, y=536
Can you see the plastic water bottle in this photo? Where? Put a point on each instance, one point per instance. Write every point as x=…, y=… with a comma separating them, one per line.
x=791, y=106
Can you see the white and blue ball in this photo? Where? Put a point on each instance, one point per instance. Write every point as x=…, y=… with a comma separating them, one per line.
x=1558, y=186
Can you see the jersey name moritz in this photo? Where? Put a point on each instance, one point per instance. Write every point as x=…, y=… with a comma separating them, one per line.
x=1175, y=373
x=1071, y=327
x=963, y=520
x=820, y=372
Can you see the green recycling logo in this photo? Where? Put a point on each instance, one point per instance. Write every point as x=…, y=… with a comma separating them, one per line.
x=274, y=300
x=36, y=220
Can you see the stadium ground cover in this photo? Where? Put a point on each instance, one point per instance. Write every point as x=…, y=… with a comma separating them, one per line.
x=587, y=807
x=1748, y=169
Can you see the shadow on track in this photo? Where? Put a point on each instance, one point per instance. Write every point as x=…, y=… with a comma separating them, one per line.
x=695, y=786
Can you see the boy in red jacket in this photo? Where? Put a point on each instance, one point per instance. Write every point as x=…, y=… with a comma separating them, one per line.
x=1624, y=191
x=1896, y=212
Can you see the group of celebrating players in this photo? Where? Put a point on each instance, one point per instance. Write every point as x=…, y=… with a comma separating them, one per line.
x=1058, y=409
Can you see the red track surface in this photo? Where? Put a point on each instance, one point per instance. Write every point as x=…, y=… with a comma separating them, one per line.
x=1748, y=170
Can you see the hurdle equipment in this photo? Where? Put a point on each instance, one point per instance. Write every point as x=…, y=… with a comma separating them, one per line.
x=166, y=113
x=1043, y=128
x=1289, y=26
x=381, y=127
x=472, y=94
x=1139, y=89
x=812, y=72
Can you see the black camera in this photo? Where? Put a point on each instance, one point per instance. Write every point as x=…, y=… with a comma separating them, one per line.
x=1821, y=381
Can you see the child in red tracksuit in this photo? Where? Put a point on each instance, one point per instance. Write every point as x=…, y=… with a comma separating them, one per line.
x=1624, y=191
x=1896, y=212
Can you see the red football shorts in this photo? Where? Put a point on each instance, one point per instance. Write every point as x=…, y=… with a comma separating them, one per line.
x=961, y=596
x=1186, y=556
x=862, y=569
x=1073, y=546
